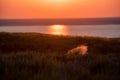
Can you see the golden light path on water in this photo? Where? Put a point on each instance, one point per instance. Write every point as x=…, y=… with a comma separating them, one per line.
x=58, y=29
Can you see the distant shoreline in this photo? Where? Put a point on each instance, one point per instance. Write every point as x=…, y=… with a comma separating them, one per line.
x=79, y=21
x=45, y=34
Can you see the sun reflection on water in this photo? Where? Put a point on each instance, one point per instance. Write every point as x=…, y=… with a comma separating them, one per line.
x=57, y=29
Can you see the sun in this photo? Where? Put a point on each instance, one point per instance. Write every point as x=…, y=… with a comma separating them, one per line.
x=58, y=29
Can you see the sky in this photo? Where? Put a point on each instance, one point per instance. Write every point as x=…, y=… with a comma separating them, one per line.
x=44, y=9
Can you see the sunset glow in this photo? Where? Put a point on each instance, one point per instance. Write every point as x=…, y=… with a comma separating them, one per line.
x=57, y=1
x=52, y=3
x=57, y=29
x=12, y=9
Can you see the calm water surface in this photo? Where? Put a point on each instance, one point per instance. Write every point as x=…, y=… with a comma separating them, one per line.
x=111, y=31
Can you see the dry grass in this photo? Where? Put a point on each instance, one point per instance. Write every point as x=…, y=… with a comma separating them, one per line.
x=32, y=56
x=79, y=50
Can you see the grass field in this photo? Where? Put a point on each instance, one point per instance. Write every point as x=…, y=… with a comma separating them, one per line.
x=33, y=56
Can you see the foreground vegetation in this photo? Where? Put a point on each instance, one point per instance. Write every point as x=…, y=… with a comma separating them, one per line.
x=32, y=56
x=15, y=42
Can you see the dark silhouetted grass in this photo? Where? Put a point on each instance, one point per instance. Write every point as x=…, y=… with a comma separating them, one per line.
x=15, y=42
x=32, y=56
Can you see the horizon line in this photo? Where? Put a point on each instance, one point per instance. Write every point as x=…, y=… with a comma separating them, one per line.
x=56, y=18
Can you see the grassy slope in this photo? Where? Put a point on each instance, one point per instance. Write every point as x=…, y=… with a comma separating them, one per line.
x=32, y=56
x=15, y=42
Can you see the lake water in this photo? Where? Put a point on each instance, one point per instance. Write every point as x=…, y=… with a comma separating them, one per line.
x=111, y=31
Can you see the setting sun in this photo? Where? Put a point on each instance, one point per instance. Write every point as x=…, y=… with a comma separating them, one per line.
x=57, y=29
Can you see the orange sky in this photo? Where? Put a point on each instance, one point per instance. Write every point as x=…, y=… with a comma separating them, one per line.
x=59, y=8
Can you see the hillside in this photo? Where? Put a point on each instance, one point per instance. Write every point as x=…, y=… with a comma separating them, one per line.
x=13, y=42
x=33, y=56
